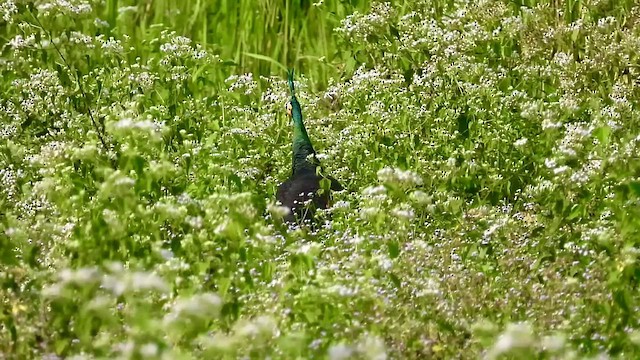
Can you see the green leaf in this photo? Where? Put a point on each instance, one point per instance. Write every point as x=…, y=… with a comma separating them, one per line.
x=396, y=281
x=622, y=299
x=394, y=249
x=266, y=58
x=25, y=124
x=602, y=134
x=576, y=211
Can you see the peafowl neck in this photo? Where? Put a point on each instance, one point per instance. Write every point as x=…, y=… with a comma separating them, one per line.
x=304, y=157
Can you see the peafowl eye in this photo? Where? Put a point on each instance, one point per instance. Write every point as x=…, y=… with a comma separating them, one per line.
x=303, y=193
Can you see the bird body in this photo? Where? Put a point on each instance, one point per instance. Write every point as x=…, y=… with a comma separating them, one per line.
x=300, y=193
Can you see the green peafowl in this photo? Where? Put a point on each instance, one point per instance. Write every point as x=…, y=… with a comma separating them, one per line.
x=300, y=193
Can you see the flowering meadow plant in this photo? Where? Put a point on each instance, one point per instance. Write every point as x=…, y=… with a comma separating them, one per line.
x=488, y=149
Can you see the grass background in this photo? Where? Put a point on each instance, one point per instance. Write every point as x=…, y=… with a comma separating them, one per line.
x=259, y=37
x=489, y=150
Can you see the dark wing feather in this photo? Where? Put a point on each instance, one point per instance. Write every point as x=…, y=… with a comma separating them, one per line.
x=300, y=188
x=335, y=185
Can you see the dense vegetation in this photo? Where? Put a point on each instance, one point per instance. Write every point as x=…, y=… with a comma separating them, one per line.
x=489, y=151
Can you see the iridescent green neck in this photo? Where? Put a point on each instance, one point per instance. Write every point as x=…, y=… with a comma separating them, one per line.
x=304, y=157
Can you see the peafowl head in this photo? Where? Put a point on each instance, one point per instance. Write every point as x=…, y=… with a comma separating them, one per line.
x=293, y=106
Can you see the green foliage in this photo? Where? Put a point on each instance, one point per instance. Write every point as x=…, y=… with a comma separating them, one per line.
x=260, y=36
x=488, y=150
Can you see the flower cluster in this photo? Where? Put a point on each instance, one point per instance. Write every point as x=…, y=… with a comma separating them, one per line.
x=67, y=7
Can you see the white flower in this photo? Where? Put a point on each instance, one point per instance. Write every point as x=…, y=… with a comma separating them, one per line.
x=420, y=197
x=374, y=190
x=149, y=350
x=560, y=169
x=8, y=9
x=553, y=343
x=65, y=7
x=516, y=336
x=548, y=124
x=278, y=211
x=369, y=213
x=403, y=213
x=520, y=142
x=261, y=326
x=245, y=83
x=19, y=42
x=397, y=176
x=204, y=305
x=430, y=288
x=372, y=347
x=342, y=204
x=550, y=163
x=308, y=248
x=80, y=276
x=339, y=352
x=145, y=281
